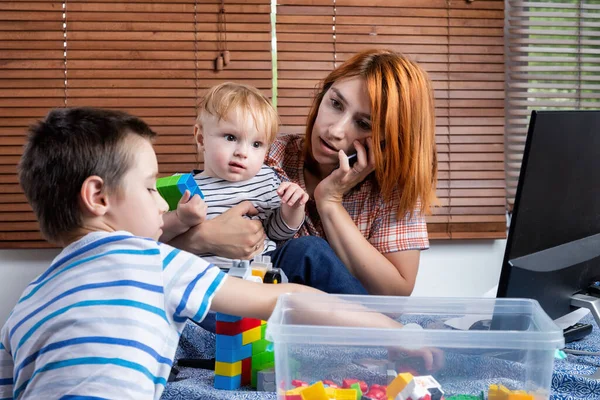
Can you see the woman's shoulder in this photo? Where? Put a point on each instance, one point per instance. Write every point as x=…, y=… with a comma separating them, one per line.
x=284, y=147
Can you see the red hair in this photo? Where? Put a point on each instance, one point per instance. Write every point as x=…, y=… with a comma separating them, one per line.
x=402, y=114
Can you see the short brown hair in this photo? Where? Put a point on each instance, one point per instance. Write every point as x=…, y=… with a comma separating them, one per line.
x=226, y=97
x=63, y=150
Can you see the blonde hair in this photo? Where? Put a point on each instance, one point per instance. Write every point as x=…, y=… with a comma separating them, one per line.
x=402, y=114
x=228, y=97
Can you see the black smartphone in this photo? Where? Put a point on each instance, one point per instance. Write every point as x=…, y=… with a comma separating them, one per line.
x=352, y=158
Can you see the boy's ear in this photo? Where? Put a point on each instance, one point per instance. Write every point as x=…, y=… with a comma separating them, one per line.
x=198, y=136
x=93, y=196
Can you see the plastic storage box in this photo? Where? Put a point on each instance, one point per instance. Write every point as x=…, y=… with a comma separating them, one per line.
x=508, y=346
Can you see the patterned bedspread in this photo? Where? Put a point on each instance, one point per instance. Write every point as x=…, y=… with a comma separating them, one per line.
x=570, y=379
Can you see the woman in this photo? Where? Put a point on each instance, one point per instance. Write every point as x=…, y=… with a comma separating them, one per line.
x=378, y=105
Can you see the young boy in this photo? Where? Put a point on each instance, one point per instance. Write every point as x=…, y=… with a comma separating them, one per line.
x=104, y=320
x=235, y=127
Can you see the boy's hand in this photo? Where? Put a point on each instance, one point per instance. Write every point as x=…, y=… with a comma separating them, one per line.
x=191, y=212
x=292, y=195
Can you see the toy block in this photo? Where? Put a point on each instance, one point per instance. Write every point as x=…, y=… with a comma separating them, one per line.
x=227, y=382
x=229, y=342
x=227, y=317
x=263, y=330
x=431, y=386
x=294, y=394
x=247, y=372
x=498, y=392
x=347, y=383
x=229, y=328
x=376, y=392
x=242, y=273
x=233, y=355
x=187, y=182
x=345, y=394
x=251, y=335
x=520, y=395
x=265, y=380
x=228, y=369
x=298, y=383
x=399, y=384
x=259, y=346
x=330, y=384
x=249, y=323
x=259, y=272
x=171, y=188
x=315, y=392
x=255, y=371
x=330, y=392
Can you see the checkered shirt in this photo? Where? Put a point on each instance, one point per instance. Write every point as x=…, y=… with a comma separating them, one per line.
x=375, y=218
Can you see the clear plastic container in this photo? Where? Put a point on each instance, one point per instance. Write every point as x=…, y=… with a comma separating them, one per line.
x=509, y=342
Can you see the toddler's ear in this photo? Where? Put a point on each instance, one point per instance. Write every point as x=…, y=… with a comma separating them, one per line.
x=93, y=196
x=198, y=136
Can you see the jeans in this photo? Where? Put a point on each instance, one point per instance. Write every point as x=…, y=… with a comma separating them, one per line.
x=310, y=261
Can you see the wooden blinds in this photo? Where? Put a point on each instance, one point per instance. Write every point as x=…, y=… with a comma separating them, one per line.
x=153, y=59
x=460, y=44
x=553, y=53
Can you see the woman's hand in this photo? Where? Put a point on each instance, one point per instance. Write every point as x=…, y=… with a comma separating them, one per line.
x=344, y=178
x=228, y=235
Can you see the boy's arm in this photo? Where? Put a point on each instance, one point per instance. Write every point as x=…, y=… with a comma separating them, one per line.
x=6, y=372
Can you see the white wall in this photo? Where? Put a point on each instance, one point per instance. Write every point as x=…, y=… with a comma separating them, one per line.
x=449, y=268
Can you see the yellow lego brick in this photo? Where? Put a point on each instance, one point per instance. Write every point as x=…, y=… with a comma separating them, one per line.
x=330, y=392
x=228, y=369
x=315, y=392
x=345, y=394
x=296, y=390
x=520, y=395
x=398, y=384
x=259, y=272
x=251, y=335
x=263, y=322
x=498, y=392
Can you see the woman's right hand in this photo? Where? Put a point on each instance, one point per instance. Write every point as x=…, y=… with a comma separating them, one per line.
x=227, y=235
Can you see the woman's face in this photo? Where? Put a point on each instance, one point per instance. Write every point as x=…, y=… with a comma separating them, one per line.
x=343, y=117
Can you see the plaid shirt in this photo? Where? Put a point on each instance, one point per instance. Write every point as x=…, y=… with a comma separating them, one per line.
x=375, y=218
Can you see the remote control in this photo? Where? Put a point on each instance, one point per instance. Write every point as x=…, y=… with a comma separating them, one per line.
x=577, y=332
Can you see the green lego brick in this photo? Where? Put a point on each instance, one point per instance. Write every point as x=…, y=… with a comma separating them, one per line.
x=263, y=330
x=167, y=187
x=356, y=386
x=259, y=346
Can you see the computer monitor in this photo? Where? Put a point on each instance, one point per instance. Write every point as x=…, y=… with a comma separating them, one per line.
x=553, y=247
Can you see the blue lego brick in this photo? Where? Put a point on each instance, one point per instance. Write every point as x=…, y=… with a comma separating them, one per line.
x=186, y=181
x=227, y=382
x=233, y=355
x=227, y=317
x=229, y=342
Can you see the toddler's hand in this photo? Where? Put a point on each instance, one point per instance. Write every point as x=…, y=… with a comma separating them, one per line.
x=192, y=211
x=292, y=194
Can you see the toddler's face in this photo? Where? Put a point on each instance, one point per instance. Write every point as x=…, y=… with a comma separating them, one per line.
x=137, y=207
x=234, y=148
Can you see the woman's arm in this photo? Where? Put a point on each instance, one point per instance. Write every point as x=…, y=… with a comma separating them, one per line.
x=384, y=274
x=227, y=235
x=390, y=274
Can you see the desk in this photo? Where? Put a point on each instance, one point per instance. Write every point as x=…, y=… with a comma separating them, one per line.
x=568, y=381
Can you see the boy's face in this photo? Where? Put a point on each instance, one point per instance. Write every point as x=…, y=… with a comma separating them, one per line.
x=234, y=149
x=136, y=206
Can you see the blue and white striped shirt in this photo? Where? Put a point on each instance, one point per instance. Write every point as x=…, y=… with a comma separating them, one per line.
x=104, y=320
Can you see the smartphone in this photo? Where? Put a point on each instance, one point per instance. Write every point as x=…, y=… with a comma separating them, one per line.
x=352, y=158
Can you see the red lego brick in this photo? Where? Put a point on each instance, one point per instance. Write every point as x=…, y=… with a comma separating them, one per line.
x=347, y=383
x=247, y=371
x=298, y=383
x=331, y=384
x=229, y=328
x=249, y=323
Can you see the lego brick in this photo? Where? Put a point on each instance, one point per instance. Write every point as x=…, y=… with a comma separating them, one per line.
x=227, y=383
x=345, y=394
x=247, y=371
x=227, y=317
x=251, y=335
x=260, y=359
x=249, y=323
x=314, y=392
x=259, y=346
x=228, y=369
x=233, y=355
x=255, y=371
x=399, y=384
x=263, y=330
x=498, y=392
x=229, y=342
x=265, y=380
